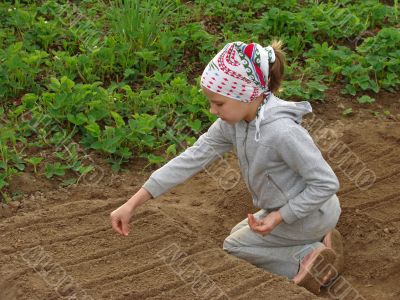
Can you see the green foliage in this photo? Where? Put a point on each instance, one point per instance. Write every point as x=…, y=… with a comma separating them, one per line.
x=365, y=100
x=347, y=111
x=55, y=169
x=34, y=161
x=138, y=22
x=119, y=78
x=381, y=54
x=138, y=26
x=19, y=70
x=374, y=65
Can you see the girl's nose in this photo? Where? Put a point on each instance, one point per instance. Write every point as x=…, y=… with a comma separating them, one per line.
x=213, y=110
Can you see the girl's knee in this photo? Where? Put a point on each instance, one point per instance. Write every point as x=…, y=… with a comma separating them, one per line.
x=237, y=227
x=229, y=245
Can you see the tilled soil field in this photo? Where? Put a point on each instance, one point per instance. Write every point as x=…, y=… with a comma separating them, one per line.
x=58, y=242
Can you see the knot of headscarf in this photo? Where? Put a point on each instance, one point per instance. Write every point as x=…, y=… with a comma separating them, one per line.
x=241, y=72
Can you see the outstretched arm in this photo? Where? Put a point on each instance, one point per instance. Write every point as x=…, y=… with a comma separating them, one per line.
x=206, y=149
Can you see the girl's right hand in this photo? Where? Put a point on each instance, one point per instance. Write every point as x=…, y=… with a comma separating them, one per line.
x=120, y=219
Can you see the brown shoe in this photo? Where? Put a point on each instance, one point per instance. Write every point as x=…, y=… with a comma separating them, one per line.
x=333, y=240
x=316, y=269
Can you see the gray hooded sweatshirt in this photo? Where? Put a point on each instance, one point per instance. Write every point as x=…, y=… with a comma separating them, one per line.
x=283, y=171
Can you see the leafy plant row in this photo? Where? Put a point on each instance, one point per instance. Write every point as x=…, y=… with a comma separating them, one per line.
x=120, y=78
x=76, y=119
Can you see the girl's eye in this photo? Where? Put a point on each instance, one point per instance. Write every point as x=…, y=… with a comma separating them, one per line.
x=219, y=105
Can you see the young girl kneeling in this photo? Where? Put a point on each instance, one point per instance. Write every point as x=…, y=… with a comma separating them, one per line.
x=289, y=180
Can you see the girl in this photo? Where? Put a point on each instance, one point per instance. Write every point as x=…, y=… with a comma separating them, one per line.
x=293, y=234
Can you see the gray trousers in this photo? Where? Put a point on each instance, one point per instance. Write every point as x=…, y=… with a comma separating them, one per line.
x=281, y=251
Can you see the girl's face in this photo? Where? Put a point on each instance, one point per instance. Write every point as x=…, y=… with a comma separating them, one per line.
x=229, y=110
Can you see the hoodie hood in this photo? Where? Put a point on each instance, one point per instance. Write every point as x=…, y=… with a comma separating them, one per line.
x=277, y=108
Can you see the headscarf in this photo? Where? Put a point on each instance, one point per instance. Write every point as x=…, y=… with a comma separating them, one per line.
x=241, y=72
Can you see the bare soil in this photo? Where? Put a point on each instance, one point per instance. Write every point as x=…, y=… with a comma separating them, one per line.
x=59, y=240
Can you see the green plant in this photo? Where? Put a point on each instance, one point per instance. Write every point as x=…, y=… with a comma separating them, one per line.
x=34, y=161
x=55, y=169
x=19, y=69
x=382, y=57
x=11, y=161
x=347, y=111
x=376, y=113
x=138, y=22
x=137, y=25
x=365, y=99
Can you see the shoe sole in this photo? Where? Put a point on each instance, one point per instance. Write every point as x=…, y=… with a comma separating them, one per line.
x=334, y=241
x=318, y=272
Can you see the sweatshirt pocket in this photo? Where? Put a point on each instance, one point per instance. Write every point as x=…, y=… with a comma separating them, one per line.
x=272, y=195
x=277, y=187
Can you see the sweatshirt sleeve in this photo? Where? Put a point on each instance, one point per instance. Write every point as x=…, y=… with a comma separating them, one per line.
x=208, y=147
x=297, y=149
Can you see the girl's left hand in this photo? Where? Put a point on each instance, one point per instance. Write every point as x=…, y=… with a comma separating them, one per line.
x=265, y=225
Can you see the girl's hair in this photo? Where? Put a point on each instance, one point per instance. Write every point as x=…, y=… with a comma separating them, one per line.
x=277, y=68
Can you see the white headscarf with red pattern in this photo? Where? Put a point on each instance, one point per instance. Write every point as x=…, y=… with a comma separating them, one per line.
x=241, y=72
